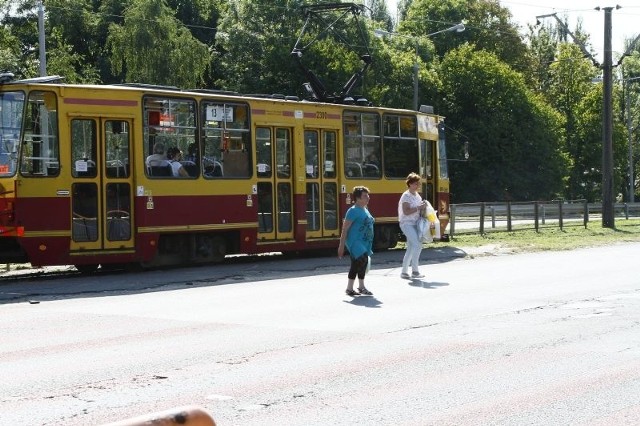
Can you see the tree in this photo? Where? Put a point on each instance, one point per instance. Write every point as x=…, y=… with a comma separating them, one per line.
x=570, y=79
x=256, y=39
x=488, y=27
x=515, y=137
x=151, y=46
x=542, y=48
x=631, y=98
x=20, y=38
x=380, y=13
x=390, y=80
x=254, y=45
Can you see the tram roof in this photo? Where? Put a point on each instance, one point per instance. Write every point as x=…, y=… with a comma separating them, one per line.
x=56, y=80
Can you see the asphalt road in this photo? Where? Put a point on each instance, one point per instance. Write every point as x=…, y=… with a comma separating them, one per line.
x=542, y=338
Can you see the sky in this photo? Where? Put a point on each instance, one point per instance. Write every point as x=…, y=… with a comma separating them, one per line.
x=624, y=21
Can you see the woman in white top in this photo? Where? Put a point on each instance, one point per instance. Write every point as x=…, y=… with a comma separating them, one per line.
x=175, y=156
x=410, y=207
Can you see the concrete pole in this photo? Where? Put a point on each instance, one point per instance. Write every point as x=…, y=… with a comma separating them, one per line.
x=608, y=219
x=416, y=68
x=43, y=54
x=630, y=140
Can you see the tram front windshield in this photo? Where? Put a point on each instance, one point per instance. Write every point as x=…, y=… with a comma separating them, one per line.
x=11, y=111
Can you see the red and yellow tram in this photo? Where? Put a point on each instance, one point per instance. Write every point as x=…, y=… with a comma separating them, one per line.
x=85, y=179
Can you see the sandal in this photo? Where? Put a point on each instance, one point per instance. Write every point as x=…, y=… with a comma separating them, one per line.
x=351, y=293
x=365, y=292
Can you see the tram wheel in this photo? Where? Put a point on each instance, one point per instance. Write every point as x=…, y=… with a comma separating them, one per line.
x=87, y=269
x=218, y=249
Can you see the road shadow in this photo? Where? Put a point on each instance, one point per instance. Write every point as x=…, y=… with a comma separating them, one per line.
x=234, y=270
x=365, y=301
x=416, y=282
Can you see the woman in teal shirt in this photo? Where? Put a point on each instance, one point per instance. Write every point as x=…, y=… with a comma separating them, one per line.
x=357, y=236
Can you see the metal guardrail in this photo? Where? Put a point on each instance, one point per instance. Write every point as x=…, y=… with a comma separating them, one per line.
x=510, y=216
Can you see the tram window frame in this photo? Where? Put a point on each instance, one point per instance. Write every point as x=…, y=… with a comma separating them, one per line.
x=11, y=115
x=442, y=151
x=84, y=146
x=330, y=147
x=226, y=139
x=117, y=148
x=400, y=145
x=264, y=164
x=172, y=121
x=311, y=153
x=362, y=139
x=40, y=151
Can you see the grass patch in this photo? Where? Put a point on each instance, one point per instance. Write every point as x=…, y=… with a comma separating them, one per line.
x=550, y=238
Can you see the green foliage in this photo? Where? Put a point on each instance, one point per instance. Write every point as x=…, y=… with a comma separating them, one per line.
x=153, y=47
x=380, y=13
x=254, y=45
x=390, y=81
x=487, y=24
x=256, y=39
x=513, y=134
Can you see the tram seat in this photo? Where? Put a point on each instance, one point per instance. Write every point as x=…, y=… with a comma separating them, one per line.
x=119, y=228
x=353, y=169
x=117, y=172
x=160, y=170
x=217, y=170
x=191, y=168
x=213, y=171
x=370, y=170
x=84, y=228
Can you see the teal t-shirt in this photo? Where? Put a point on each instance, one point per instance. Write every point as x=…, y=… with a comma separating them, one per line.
x=359, y=239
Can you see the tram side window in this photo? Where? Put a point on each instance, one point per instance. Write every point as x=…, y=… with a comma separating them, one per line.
x=83, y=148
x=84, y=203
x=169, y=123
x=362, y=145
x=329, y=165
x=442, y=153
x=11, y=113
x=426, y=151
x=226, y=140
x=400, y=146
x=263, y=152
x=283, y=152
x=117, y=135
x=311, y=149
x=40, y=146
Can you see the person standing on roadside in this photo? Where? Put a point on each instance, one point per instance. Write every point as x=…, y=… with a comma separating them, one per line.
x=357, y=237
x=410, y=207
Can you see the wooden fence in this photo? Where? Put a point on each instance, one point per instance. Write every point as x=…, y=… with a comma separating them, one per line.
x=512, y=216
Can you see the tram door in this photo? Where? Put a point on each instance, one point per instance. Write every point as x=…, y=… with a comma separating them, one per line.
x=101, y=195
x=427, y=165
x=321, y=183
x=275, y=183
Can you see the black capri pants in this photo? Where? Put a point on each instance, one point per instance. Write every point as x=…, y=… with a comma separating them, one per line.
x=358, y=267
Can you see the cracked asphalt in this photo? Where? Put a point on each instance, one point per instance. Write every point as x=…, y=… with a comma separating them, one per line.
x=530, y=338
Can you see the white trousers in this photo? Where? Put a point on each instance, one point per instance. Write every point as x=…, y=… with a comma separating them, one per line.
x=414, y=248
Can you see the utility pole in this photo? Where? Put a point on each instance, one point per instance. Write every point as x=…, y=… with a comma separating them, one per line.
x=458, y=28
x=43, y=54
x=608, y=216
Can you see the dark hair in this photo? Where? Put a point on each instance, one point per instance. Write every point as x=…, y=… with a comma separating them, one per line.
x=172, y=152
x=358, y=190
x=413, y=177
